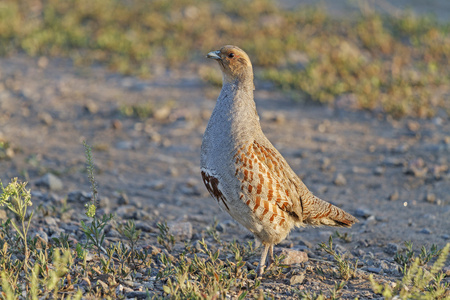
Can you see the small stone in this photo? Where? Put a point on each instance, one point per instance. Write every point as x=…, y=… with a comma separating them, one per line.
x=445, y=236
x=119, y=289
x=45, y=118
x=138, y=295
x=379, y=171
x=148, y=285
x=3, y=215
x=116, y=124
x=42, y=62
x=50, y=221
x=157, y=185
x=297, y=279
x=430, y=197
x=144, y=227
x=224, y=225
x=362, y=212
x=50, y=182
x=370, y=220
x=91, y=107
x=394, y=196
x=125, y=211
x=180, y=230
x=162, y=113
x=392, y=248
x=340, y=180
x=292, y=256
x=425, y=231
x=79, y=196
x=374, y=270
x=123, y=199
x=401, y=149
x=393, y=162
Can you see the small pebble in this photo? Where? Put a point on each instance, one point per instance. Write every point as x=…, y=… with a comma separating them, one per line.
x=292, y=256
x=425, y=231
x=340, y=180
x=374, y=270
x=50, y=182
x=430, y=197
x=297, y=279
x=392, y=248
x=180, y=230
x=362, y=212
x=379, y=171
x=394, y=196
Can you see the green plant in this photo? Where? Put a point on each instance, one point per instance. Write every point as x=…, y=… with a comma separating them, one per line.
x=95, y=230
x=165, y=238
x=418, y=282
x=17, y=199
x=346, y=269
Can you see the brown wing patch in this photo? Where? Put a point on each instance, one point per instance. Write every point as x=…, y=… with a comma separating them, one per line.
x=266, y=192
x=212, y=185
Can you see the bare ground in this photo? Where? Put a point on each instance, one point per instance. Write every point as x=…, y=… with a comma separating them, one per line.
x=392, y=174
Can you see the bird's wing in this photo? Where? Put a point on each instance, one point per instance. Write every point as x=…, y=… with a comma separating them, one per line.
x=265, y=186
x=275, y=188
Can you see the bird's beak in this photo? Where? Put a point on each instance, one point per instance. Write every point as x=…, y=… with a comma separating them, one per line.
x=213, y=55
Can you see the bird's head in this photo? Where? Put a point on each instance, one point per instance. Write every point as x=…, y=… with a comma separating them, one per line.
x=234, y=63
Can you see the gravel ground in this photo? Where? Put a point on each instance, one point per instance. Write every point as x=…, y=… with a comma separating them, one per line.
x=392, y=174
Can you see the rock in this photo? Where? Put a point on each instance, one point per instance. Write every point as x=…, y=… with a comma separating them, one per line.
x=292, y=256
x=157, y=185
x=79, y=196
x=430, y=197
x=123, y=199
x=374, y=270
x=116, y=124
x=91, y=107
x=392, y=162
x=225, y=225
x=392, y=248
x=340, y=180
x=362, y=212
x=425, y=231
x=41, y=239
x=394, y=196
x=297, y=279
x=445, y=236
x=180, y=230
x=138, y=295
x=50, y=221
x=50, y=182
x=379, y=171
x=401, y=149
x=3, y=215
x=144, y=227
x=416, y=168
x=125, y=211
x=119, y=289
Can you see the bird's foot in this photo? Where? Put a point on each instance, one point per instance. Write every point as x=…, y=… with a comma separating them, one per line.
x=259, y=271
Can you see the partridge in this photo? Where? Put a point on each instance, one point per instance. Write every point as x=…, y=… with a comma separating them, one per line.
x=244, y=172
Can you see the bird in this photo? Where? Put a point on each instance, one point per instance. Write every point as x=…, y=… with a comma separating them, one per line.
x=246, y=174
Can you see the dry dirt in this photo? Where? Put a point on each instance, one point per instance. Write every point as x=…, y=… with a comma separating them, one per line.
x=392, y=174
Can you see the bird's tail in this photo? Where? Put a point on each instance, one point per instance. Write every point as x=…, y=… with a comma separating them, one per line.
x=318, y=212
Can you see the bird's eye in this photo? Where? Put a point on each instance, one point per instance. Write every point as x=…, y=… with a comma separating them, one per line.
x=231, y=55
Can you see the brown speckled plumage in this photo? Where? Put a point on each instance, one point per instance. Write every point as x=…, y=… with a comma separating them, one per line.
x=244, y=172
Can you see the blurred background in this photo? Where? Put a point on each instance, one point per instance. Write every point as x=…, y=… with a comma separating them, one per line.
x=384, y=56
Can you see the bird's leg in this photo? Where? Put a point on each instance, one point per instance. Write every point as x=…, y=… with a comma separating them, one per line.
x=270, y=260
x=262, y=262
